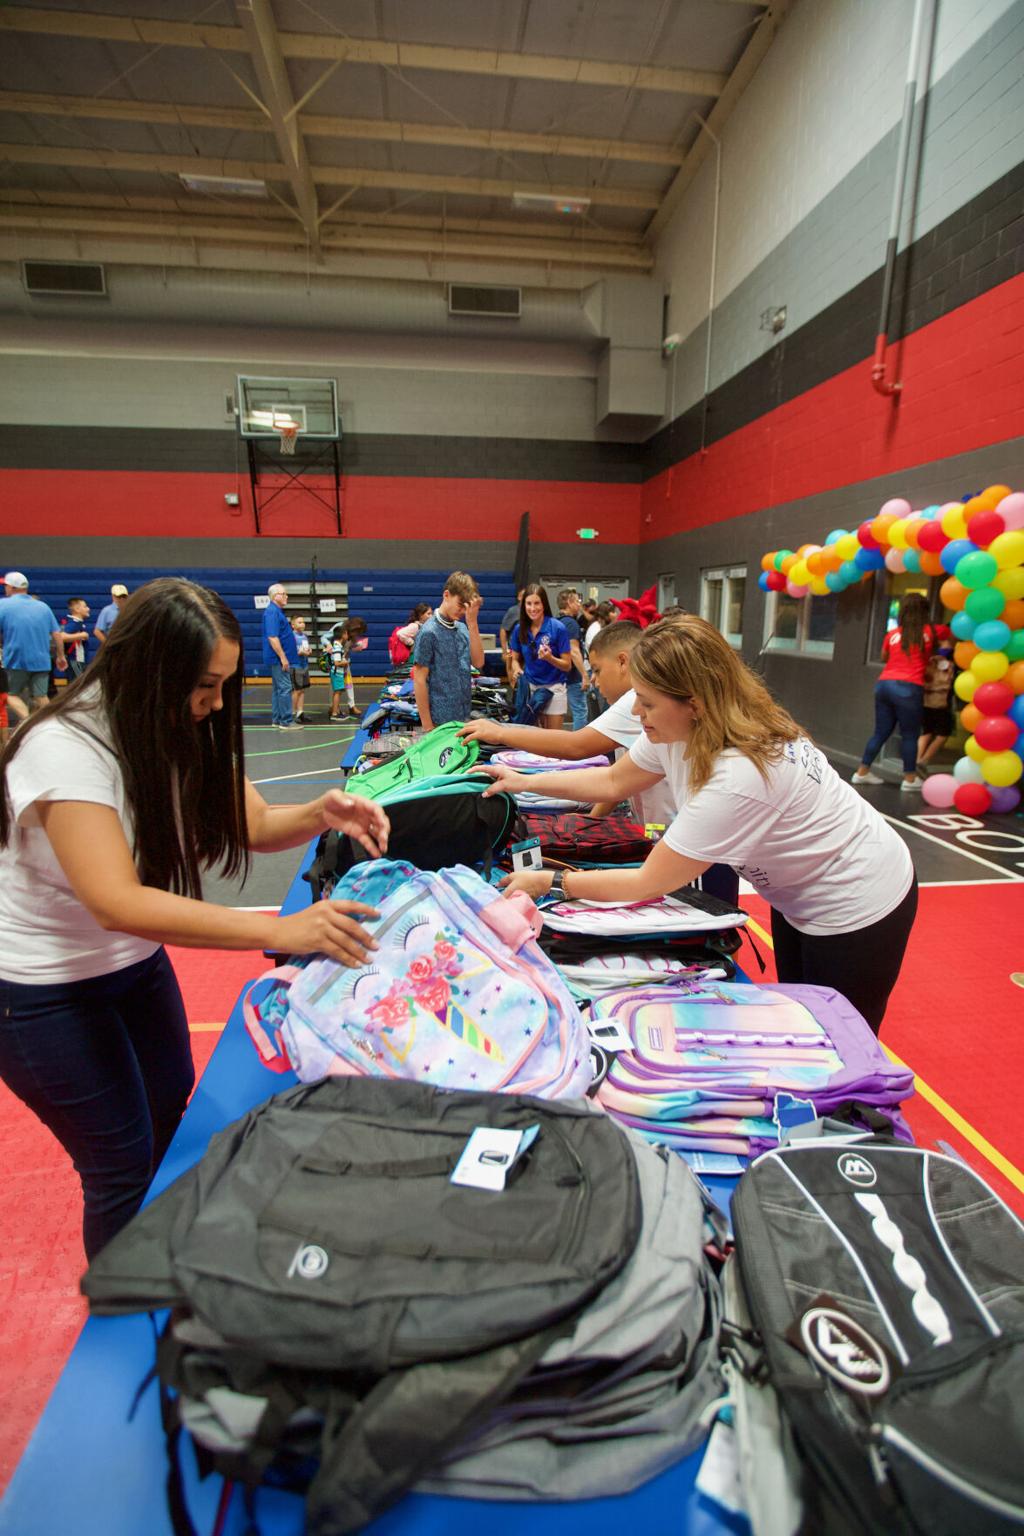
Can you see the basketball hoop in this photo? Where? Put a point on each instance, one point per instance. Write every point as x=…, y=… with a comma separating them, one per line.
x=288, y=433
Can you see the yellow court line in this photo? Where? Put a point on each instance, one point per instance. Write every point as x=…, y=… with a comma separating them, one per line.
x=206, y=1029
x=990, y=1153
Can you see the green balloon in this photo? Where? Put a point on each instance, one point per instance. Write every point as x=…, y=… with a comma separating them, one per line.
x=1015, y=646
x=985, y=603
x=976, y=570
x=783, y=554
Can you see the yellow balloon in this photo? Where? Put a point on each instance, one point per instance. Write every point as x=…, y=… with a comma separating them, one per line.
x=988, y=667
x=1001, y=768
x=972, y=749
x=965, y=685
x=1010, y=583
x=819, y=586
x=799, y=575
x=953, y=522
x=897, y=535
x=1008, y=549
x=847, y=546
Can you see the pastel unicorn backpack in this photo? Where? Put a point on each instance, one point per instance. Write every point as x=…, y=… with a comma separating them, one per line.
x=458, y=994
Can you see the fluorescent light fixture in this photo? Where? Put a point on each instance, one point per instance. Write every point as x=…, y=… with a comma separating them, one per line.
x=223, y=186
x=545, y=202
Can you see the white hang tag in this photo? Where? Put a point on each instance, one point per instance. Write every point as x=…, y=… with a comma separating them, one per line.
x=490, y=1155
x=653, y=830
x=609, y=1034
x=526, y=855
x=719, y=1475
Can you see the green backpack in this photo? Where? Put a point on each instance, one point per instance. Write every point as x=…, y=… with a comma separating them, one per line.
x=439, y=753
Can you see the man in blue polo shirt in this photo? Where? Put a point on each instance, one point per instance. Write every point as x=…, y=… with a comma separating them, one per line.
x=28, y=631
x=280, y=654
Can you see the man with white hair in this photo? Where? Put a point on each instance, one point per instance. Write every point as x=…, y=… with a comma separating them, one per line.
x=280, y=654
x=28, y=630
x=107, y=615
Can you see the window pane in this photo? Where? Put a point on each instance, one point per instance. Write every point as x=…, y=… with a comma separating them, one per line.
x=736, y=589
x=786, y=623
x=821, y=625
x=713, y=600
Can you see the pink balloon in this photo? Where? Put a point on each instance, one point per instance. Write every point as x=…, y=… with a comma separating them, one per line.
x=894, y=561
x=1011, y=509
x=897, y=507
x=938, y=790
x=794, y=590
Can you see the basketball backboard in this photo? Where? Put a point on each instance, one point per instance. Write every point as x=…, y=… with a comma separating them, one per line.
x=266, y=404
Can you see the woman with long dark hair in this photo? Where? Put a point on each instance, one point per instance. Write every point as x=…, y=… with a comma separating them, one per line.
x=113, y=800
x=539, y=650
x=753, y=792
x=899, y=692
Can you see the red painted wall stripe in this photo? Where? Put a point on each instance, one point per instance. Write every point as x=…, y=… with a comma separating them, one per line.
x=69, y=502
x=963, y=388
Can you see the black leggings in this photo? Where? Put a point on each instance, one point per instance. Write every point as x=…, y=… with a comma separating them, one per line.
x=863, y=965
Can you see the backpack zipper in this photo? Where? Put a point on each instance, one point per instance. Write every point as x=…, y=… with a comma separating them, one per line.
x=942, y=1474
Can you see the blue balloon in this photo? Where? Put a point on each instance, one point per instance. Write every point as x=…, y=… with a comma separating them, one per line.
x=850, y=571
x=869, y=559
x=954, y=551
x=835, y=583
x=1018, y=745
x=762, y=581
x=912, y=561
x=837, y=533
x=992, y=635
x=1016, y=712
x=962, y=626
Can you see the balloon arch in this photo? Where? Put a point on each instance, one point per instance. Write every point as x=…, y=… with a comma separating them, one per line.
x=978, y=545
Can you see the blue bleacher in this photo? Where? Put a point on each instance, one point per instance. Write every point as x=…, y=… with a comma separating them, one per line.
x=383, y=598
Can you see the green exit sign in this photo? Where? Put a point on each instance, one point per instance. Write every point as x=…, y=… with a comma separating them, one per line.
x=586, y=533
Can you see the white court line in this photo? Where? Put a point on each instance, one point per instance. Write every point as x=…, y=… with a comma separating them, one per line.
x=962, y=884
x=908, y=826
x=307, y=773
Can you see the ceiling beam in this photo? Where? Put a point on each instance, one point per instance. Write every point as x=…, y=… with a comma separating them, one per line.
x=112, y=224
x=768, y=25
x=323, y=175
x=267, y=60
x=360, y=50
x=315, y=125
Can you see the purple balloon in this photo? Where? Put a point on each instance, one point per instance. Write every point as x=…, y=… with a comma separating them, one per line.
x=1006, y=799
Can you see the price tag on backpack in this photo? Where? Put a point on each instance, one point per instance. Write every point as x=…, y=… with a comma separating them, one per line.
x=490, y=1155
x=653, y=830
x=719, y=1474
x=609, y=1034
x=527, y=854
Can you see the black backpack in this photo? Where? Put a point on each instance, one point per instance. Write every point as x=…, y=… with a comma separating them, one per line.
x=884, y=1286
x=344, y=1314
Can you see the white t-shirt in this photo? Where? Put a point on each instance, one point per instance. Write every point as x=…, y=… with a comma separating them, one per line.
x=619, y=724
x=806, y=841
x=46, y=935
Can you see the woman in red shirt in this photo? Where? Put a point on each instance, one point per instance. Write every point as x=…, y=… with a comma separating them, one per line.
x=899, y=692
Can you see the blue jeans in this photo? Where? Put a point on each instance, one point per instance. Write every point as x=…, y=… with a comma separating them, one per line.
x=280, y=694
x=106, y=1065
x=899, y=704
x=577, y=703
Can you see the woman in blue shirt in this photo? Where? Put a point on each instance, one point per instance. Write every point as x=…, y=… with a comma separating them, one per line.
x=539, y=647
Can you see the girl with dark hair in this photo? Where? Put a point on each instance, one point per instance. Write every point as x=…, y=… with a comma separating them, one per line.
x=899, y=692
x=750, y=791
x=539, y=649
x=113, y=800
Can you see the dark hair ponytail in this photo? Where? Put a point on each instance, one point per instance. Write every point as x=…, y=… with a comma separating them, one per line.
x=184, y=779
x=913, y=616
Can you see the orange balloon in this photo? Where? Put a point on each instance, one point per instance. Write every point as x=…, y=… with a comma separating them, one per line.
x=931, y=563
x=816, y=563
x=964, y=653
x=912, y=529
x=788, y=564
x=1013, y=614
x=1013, y=677
x=830, y=560
x=881, y=524
x=974, y=505
x=992, y=495
x=768, y=561
x=970, y=716
x=952, y=594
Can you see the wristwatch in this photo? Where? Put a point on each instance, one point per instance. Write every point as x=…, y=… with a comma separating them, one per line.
x=557, y=889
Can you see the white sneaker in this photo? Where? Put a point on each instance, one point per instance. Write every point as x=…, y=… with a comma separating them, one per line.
x=292, y=726
x=866, y=778
x=911, y=786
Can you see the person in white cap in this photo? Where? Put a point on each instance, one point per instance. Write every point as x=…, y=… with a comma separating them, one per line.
x=107, y=615
x=29, y=633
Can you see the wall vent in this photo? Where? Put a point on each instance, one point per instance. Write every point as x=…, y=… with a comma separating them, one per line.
x=65, y=278
x=498, y=303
